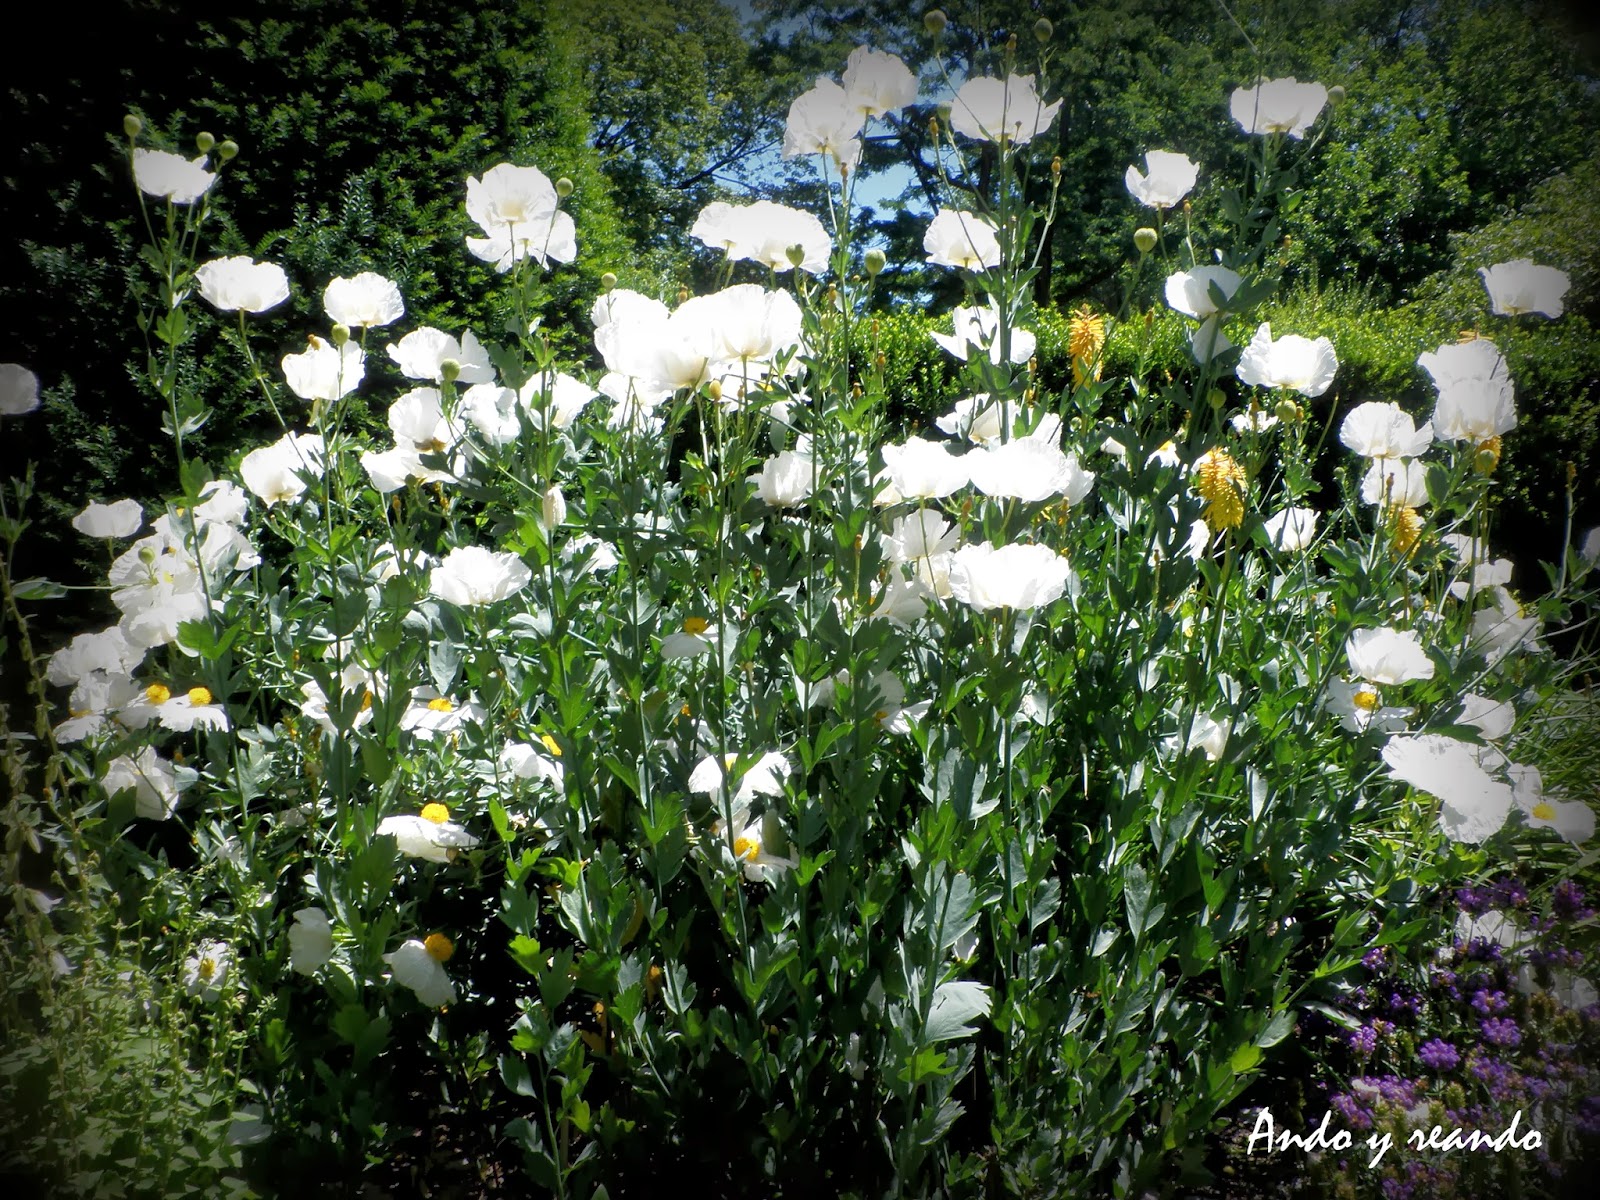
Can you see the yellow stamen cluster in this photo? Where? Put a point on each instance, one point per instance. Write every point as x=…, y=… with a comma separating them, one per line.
x=746, y=847
x=1366, y=699
x=1544, y=811
x=435, y=812
x=1488, y=456
x=550, y=744
x=1220, y=481
x=440, y=704
x=696, y=625
x=1086, y=338
x=1407, y=530
x=158, y=693
x=439, y=947
x=208, y=968
x=199, y=695
x=366, y=700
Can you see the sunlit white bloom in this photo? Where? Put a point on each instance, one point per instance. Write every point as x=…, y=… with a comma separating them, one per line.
x=592, y=553
x=107, y=651
x=354, y=680
x=389, y=470
x=526, y=761
x=419, y=425
x=1467, y=549
x=764, y=232
x=1481, y=576
x=1020, y=576
x=1169, y=178
x=1476, y=398
x=1501, y=628
x=785, y=479
x=363, y=301
x=171, y=176
x=424, y=837
x=563, y=401
x=1359, y=707
x=1395, y=482
x=1207, y=341
x=694, y=638
x=19, y=390
x=550, y=238
x=310, y=940
x=278, y=472
x=979, y=327
x=825, y=120
x=764, y=777
x=323, y=371
x=1589, y=551
x=1165, y=455
x=962, y=239
x=755, y=325
x=1493, y=927
x=1255, y=420
x=1572, y=819
x=492, y=411
x=119, y=519
x=1375, y=430
x=208, y=973
x=472, y=576
x=1291, y=530
x=155, y=782
x=508, y=196
x=890, y=710
x=1205, y=734
x=877, y=84
x=991, y=109
x=1291, y=362
x=224, y=502
x=1521, y=286
x=624, y=304
x=157, y=596
x=415, y=968
x=242, y=284
x=1388, y=656
x=973, y=418
x=422, y=353
x=902, y=602
x=1278, y=106
x=1492, y=718
x=921, y=534
x=1029, y=471
x=429, y=713
x=1473, y=805
x=194, y=709
x=923, y=470
x=1570, y=991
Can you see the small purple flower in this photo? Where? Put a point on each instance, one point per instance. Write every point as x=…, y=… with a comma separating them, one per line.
x=1474, y=901
x=1510, y=892
x=1364, y=1041
x=1489, y=1003
x=1438, y=1055
x=1500, y=1031
x=1376, y=959
x=1567, y=902
x=1352, y=1111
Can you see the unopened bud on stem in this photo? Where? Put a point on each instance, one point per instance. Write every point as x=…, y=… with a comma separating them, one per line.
x=553, y=508
x=934, y=21
x=563, y=187
x=714, y=390
x=1043, y=29
x=203, y=142
x=1144, y=239
x=228, y=149
x=1336, y=95
x=449, y=370
x=608, y=280
x=796, y=254
x=131, y=125
x=340, y=335
x=875, y=261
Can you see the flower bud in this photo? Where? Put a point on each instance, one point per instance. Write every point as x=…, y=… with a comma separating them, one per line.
x=203, y=142
x=1011, y=44
x=1144, y=238
x=228, y=149
x=1487, y=458
x=1055, y=166
x=608, y=280
x=796, y=254
x=131, y=125
x=1216, y=397
x=563, y=187
x=875, y=261
x=339, y=335
x=1336, y=95
x=147, y=556
x=934, y=21
x=553, y=508
x=1042, y=29
x=683, y=294
x=714, y=390
x=1287, y=411
x=449, y=370
x=1572, y=473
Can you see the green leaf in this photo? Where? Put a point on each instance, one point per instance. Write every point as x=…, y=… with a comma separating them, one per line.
x=954, y=1005
x=38, y=589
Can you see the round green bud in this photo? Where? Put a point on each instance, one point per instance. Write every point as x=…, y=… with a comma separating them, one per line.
x=1144, y=238
x=1216, y=397
x=203, y=142
x=1287, y=410
x=449, y=370
x=875, y=260
x=1336, y=95
x=1043, y=29
x=608, y=280
x=146, y=555
x=934, y=21
x=131, y=125
x=563, y=187
x=339, y=335
x=228, y=149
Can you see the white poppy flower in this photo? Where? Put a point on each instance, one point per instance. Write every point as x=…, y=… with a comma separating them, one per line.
x=155, y=782
x=107, y=651
x=363, y=301
x=1254, y=420
x=1375, y=430
x=430, y=713
x=171, y=176
x=1189, y=292
x=1502, y=628
x=1359, y=707
x=1278, y=106
x=508, y=196
x=764, y=777
x=550, y=238
x=563, y=402
x=1572, y=819
x=1205, y=734
x=1473, y=805
x=1492, y=718
x=1570, y=991
x=594, y=554
x=524, y=761
x=1030, y=471
x=1019, y=576
x=1387, y=656
x=310, y=940
x=1207, y=341
x=240, y=283
x=223, y=502
x=1170, y=177
x=416, y=968
x=492, y=411
x=19, y=390
x=924, y=470
x=1521, y=286
x=902, y=602
x=422, y=352
x=471, y=576
x=761, y=232
x=962, y=239
x=691, y=641
x=877, y=84
x=275, y=473
x=323, y=371
x=208, y=974
x=191, y=710
x=751, y=843
x=1291, y=362
x=921, y=534
x=784, y=480
x=1482, y=576
x=116, y=520
x=1493, y=927
x=1476, y=398
x=980, y=327
x=824, y=120
x=354, y=679
x=1291, y=530
x=432, y=836
x=1395, y=482
x=990, y=109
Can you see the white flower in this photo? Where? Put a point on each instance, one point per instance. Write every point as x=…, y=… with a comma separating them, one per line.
x=990, y=109
x=923, y=470
x=1375, y=430
x=223, y=502
x=764, y=777
x=208, y=974
x=1291, y=530
x=1521, y=286
x=902, y=602
x=1207, y=341
x=430, y=713
x=1476, y=397
x=415, y=968
x=155, y=782
x=19, y=390
x=761, y=232
x=1572, y=819
x=353, y=680
x=1190, y=291
x=693, y=639
x=750, y=844
x=1395, y=482
x=1030, y=471
x=824, y=120
x=1473, y=806
x=1589, y=551
x=191, y=710
x=276, y=472
x=1482, y=576
x=1169, y=179
x=785, y=480
x=1492, y=718
x=421, y=353
x=525, y=762
x=424, y=837
x=591, y=552
x=507, y=197
x=1293, y=362
x=1359, y=708
x=1253, y=420
x=1498, y=630
x=551, y=238
x=324, y=372
x=363, y=301
x=561, y=402
x=973, y=418
x=492, y=411
x=116, y=520
x=961, y=239
x=1205, y=734
x=171, y=176
x=107, y=651
x=310, y=940
x=240, y=283
x=471, y=576
x=754, y=325
x=1570, y=991
x=922, y=534
x=1387, y=656
x=980, y=327
x=1278, y=106
x=1493, y=927
x=1020, y=576
x=877, y=84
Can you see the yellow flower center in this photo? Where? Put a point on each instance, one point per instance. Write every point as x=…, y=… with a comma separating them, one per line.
x=366, y=700
x=440, y=704
x=1220, y=482
x=1407, y=530
x=696, y=625
x=158, y=693
x=1366, y=699
x=881, y=715
x=439, y=947
x=435, y=812
x=550, y=744
x=747, y=847
x=199, y=695
x=208, y=968
x=1086, y=338
x=1544, y=811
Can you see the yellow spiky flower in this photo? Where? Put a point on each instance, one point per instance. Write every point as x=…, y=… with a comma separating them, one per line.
x=1220, y=481
x=1406, y=530
x=1086, y=338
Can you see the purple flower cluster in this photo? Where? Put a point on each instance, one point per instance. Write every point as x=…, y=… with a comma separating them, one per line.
x=1364, y=1041
x=1438, y=1055
x=1489, y=1003
x=1566, y=904
x=1500, y=1031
